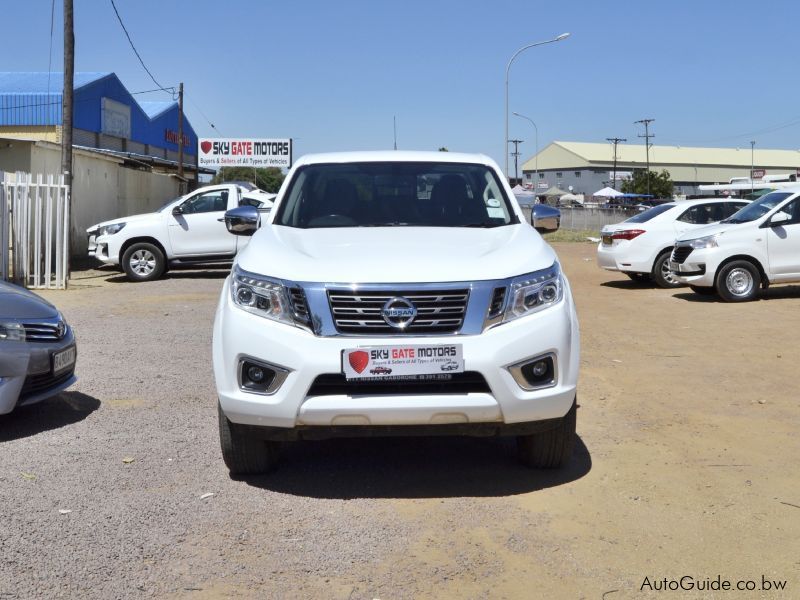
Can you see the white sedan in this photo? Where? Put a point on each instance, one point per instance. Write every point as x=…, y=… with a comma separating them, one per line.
x=640, y=247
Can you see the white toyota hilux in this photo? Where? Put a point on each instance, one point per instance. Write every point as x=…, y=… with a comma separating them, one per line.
x=186, y=230
x=394, y=293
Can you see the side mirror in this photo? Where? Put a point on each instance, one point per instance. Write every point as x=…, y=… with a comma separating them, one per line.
x=545, y=219
x=178, y=210
x=242, y=220
x=779, y=218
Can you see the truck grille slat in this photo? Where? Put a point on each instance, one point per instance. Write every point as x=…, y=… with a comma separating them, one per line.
x=41, y=332
x=681, y=253
x=438, y=311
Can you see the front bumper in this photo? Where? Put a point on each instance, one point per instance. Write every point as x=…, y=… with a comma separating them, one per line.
x=698, y=269
x=102, y=248
x=238, y=334
x=26, y=374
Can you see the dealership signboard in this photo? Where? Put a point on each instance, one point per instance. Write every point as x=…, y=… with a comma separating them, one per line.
x=244, y=152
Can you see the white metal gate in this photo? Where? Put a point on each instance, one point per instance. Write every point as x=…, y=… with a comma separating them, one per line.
x=38, y=215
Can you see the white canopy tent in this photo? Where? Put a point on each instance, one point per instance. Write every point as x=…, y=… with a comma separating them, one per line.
x=607, y=192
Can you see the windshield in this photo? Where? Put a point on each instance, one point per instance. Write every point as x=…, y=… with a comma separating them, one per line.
x=168, y=203
x=758, y=208
x=644, y=217
x=390, y=194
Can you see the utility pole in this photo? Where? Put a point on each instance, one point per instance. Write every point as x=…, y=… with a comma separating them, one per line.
x=647, y=135
x=515, y=154
x=752, y=149
x=66, y=99
x=180, y=132
x=615, y=141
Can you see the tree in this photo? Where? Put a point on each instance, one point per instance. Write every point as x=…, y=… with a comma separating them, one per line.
x=268, y=179
x=661, y=185
x=444, y=149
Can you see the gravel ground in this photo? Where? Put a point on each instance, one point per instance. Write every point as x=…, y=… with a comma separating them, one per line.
x=677, y=467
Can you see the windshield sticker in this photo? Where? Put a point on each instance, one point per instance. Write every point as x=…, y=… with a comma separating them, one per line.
x=496, y=213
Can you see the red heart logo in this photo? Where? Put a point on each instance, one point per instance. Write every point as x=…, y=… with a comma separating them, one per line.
x=358, y=360
x=205, y=147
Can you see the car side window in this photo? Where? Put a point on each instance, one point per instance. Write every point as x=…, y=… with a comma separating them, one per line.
x=216, y=201
x=733, y=207
x=793, y=209
x=702, y=214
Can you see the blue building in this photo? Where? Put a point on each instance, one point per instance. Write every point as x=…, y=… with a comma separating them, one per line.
x=106, y=117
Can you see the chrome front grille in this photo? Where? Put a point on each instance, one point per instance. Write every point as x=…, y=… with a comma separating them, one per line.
x=360, y=312
x=44, y=332
x=681, y=253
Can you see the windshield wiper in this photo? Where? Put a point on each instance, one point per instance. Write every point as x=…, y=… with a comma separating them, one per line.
x=484, y=225
x=387, y=224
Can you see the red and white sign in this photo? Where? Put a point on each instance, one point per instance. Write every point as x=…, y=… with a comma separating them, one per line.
x=236, y=152
x=403, y=362
x=758, y=173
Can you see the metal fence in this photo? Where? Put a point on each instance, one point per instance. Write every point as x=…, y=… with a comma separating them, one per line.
x=35, y=226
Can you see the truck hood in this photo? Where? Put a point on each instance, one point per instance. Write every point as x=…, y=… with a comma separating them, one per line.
x=395, y=254
x=19, y=303
x=144, y=217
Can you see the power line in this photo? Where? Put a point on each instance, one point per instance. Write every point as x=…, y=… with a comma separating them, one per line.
x=214, y=127
x=58, y=102
x=647, y=135
x=136, y=52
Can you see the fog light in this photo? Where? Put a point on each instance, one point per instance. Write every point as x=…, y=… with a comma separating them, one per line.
x=539, y=368
x=536, y=374
x=256, y=374
x=256, y=377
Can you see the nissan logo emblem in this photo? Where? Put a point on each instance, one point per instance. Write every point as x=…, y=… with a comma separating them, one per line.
x=399, y=312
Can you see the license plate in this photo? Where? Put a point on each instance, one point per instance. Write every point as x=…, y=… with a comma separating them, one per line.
x=421, y=361
x=64, y=360
x=607, y=241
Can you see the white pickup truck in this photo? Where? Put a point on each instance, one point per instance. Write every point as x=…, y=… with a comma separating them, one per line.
x=395, y=293
x=189, y=229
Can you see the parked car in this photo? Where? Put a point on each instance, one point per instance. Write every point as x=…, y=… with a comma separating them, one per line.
x=355, y=269
x=37, y=349
x=641, y=246
x=753, y=248
x=187, y=230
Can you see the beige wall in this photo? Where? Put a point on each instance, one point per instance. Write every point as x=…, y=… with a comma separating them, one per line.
x=102, y=188
x=49, y=133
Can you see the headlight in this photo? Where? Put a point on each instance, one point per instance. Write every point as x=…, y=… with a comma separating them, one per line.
x=12, y=332
x=709, y=241
x=261, y=296
x=534, y=292
x=110, y=229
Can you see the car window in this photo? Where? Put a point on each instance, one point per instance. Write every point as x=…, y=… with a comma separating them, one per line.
x=250, y=202
x=703, y=214
x=644, y=217
x=215, y=201
x=793, y=210
x=390, y=194
x=732, y=207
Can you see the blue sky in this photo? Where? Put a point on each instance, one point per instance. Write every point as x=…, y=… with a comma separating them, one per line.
x=332, y=75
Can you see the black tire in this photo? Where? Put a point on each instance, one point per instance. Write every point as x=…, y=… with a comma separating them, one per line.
x=143, y=262
x=738, y=281
x=703, y=291
x=243, y=452
x=662, y=277
x=549, y=449
x=639, y=277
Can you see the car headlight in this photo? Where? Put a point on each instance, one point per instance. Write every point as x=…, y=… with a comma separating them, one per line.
x=110, y=229
x=261, y=296
x=709, y=241
x=12, y=332
x=534, y=292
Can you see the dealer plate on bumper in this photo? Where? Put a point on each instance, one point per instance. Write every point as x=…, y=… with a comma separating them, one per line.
x=64, y=360
x=422, y=361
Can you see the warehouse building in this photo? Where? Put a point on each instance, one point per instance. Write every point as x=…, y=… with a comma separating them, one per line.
x=584, y=167
x=125, y=152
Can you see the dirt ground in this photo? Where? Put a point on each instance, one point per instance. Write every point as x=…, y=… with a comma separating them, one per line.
x=685, y=466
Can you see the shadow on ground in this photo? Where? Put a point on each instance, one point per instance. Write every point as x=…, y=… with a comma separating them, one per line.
x=62, y=410
x=781, y=292
x=629, y=284
x=192, y=272
x=423, y=467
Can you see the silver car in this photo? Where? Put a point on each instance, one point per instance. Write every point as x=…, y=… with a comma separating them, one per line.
x=37, y=349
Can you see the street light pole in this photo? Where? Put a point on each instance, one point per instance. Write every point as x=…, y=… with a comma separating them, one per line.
x=536, y=156
x=563, y=36
x=752, y=148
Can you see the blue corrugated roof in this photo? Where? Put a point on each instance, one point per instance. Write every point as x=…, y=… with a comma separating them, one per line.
x=37, y=83
x=152, y=109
